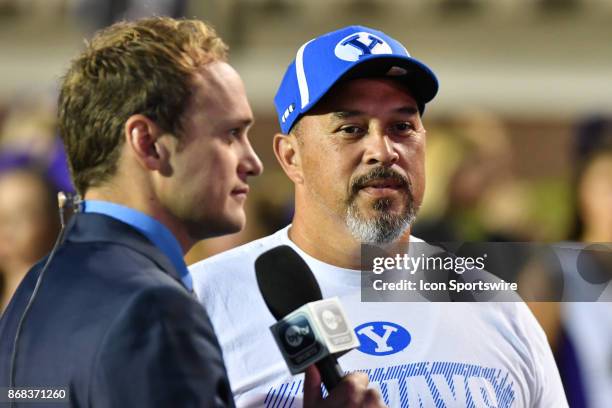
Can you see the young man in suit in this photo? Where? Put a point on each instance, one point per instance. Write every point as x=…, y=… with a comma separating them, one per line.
x=155, y=126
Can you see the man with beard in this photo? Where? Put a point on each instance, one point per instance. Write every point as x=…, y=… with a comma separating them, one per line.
x=353, y=144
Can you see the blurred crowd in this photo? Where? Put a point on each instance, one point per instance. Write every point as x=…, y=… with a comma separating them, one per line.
x=486, y=182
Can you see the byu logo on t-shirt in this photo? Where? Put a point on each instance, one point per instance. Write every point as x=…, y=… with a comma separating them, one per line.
x=357, y=45
x=382, y=338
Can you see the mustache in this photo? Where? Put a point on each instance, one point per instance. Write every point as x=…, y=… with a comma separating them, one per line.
x=379, y=173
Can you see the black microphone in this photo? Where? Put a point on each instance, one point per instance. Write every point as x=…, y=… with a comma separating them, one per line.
x=309, y=330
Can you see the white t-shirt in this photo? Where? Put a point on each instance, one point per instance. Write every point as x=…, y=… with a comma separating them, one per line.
x=418, y=354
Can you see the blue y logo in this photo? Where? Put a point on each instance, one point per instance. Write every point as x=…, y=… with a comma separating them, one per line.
x=360, y=44
x=382, y=338
x=366, y=49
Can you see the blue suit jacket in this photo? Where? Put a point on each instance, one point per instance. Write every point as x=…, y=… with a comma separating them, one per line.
x=113, y=324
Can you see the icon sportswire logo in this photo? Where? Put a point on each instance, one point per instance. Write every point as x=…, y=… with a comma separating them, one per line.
x=382, y=338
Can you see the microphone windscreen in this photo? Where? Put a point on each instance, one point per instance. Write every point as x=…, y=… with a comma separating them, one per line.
x=285, y=281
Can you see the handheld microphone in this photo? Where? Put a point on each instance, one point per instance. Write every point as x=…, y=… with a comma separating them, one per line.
x=309, y=330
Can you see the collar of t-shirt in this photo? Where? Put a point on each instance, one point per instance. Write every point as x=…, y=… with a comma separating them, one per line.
x=342, y=280
x=154, y=230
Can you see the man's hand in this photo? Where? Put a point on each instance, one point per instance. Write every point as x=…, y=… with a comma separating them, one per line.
x=352, y=392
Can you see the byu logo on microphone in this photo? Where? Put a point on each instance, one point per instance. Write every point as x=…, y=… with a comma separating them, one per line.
x=382, y=338
x=357, y=45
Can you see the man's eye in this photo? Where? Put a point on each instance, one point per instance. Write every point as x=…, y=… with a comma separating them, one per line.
x=402, y=127
x=234, y=134
x=351, y=130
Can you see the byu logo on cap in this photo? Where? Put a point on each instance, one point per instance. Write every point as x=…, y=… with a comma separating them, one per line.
x=357, y=45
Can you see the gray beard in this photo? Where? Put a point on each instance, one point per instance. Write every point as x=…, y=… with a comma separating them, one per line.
x=383, y=228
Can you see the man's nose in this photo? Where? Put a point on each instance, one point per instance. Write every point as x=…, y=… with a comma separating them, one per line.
x=380, y=149
x=250, y=164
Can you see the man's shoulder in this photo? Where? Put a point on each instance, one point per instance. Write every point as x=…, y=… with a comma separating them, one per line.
x=513, y=321
x=123, y=278
x=217, y=279
x=236, y=258
x=107, y=279
x=111, y=259
x=109, y=308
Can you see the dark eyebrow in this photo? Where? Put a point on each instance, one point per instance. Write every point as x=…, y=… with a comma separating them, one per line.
x=346, y=114
x=246, y=122
x=408, y=110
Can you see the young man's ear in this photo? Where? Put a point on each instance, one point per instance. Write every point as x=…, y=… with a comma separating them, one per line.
x=288, y=155
x=143, y=138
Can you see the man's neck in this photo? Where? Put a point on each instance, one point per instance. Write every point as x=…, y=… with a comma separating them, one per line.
x=330, y=241
x=146, y=204
x=338, y=250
